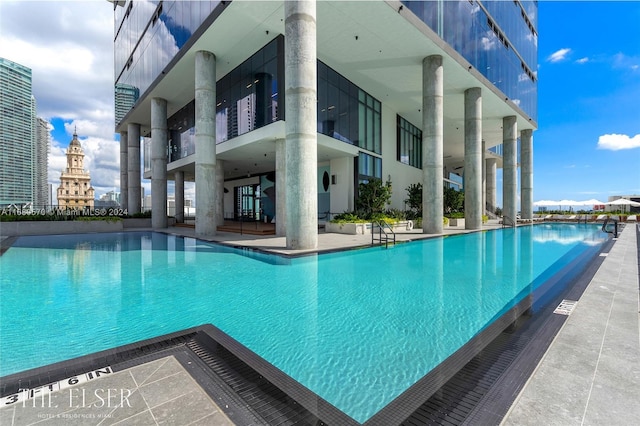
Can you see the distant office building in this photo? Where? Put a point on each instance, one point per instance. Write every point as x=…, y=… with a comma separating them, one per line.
x=75, y=190
x=312, y=98
x=17, y=135
x=110, y=196
x=125, y=97
x=41, y=187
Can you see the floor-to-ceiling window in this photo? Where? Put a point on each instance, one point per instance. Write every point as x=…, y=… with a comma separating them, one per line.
x=346, y=112
x=409, y=143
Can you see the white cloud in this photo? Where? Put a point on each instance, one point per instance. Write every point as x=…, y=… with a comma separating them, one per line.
x=615, y=142
x=582, y=60
x=71, y=59
x=622, y=61
x=559, y=55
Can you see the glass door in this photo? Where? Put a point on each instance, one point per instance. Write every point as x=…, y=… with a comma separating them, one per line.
x=247, y=202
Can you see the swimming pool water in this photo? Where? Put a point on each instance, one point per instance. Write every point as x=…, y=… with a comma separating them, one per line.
x=356, y=327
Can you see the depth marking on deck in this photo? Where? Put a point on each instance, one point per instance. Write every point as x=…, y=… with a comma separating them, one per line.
x=565, y=307
x=26, y=394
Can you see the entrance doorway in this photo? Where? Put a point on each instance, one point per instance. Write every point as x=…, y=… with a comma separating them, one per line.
x=247, y=203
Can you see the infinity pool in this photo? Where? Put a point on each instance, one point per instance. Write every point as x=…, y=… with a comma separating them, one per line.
x=356, y=327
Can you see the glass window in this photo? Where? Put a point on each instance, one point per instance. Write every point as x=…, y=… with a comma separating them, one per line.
x=369, y=167
x=409, y=143
x=499, y=38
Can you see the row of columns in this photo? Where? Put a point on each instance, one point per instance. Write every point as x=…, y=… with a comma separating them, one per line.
x=296, y=215
x=296, y=155
x=479, y=172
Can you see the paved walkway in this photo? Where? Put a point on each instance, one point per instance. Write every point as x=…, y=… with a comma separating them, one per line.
x=590, y=374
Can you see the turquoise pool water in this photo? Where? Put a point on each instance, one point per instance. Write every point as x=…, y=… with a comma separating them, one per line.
x=356, y=327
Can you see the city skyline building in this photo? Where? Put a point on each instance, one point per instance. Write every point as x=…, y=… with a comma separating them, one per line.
x=41, y=180
x=320, y=96
x=75, y=190
x=17, y=133
x=25, y=139
x=125, y=97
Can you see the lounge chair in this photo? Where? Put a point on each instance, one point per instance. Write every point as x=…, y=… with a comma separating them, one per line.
x=601, y=218
x=632, y=218
x=572, y=218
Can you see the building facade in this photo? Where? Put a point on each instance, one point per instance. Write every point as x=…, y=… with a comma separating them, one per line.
x=75, y=190
x=277, y=110
x=41, y=181
x=18, y=136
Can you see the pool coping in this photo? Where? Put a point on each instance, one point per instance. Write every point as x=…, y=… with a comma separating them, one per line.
x=394, y=413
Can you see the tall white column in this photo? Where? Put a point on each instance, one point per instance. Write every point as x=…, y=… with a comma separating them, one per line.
x=300, y=62
x=491, y=183
x=281, y=189
x=432, y=144
x=205, y=120
x=134, y=179
x=510, y=164
x=124, y=170
x=473, y=158
x=179, y=196
x=526, y=173
x=159, y=138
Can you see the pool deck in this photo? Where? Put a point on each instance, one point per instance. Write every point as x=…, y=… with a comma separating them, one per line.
x=589, y=375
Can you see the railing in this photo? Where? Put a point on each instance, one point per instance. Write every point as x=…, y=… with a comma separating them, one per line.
x=508, y=222
x=490, y=209
x=383, y=235
x=615, y=226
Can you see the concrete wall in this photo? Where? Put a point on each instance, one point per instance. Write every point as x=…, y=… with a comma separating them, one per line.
x=342, y=192
x=11, y=229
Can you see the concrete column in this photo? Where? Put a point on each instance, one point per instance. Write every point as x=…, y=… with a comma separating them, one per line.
x=300, y=62
x=159, y=139
x=491, y=183
x=179, y=196
x=473, y=158
x=219, y=215
x=124, y=170
x=281, y=189
x=510, y=163
x=134, y=179
x=526, y=174
x=484, y=176
x=205, y=120
x=432, y=143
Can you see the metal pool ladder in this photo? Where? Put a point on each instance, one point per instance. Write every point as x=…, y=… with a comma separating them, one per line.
x=615, y=227
x=385, y=235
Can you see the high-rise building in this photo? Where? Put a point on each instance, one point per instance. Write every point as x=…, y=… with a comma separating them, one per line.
x=75, y=190
x=312, y=98
x=17, y=135
x=126, y=97
x=41, y=187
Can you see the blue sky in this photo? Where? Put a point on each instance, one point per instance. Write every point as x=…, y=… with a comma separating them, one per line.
x=589, y=89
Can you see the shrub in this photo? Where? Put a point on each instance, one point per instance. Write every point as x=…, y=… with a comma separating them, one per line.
x=396, y=214
x=414, y=200
x=373, y=196
x=347, y=217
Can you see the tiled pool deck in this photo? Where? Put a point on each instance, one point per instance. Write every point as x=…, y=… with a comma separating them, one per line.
x=590, y=374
